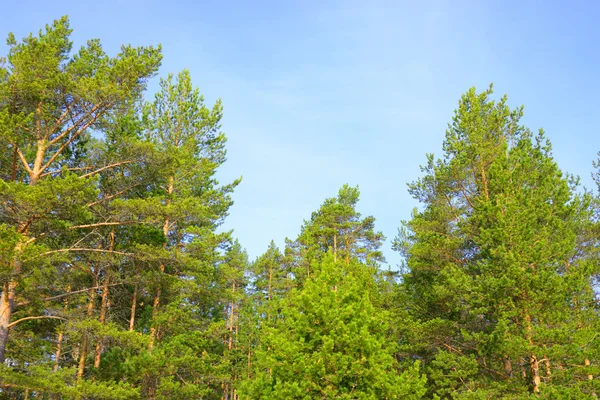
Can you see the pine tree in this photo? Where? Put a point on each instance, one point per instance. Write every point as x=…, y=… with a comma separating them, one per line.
x=330, y=342
x=49, y=102
x=189, y=205
x=497, y=280
x=271, y=280
x=339, y=227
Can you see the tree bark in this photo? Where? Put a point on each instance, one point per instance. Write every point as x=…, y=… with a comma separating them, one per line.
x=133, y=306
x=34, y=176
x=535, y=373
x=7, y=297
x=157, y=295
x=334, y=247
x=60, y=335
x=102, y=319
x=6, y=306
x=104, y=303
x=232, y=311
x=84, y=338
x=533, y=361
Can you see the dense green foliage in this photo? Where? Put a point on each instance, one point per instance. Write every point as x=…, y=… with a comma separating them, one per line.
x=116, y=282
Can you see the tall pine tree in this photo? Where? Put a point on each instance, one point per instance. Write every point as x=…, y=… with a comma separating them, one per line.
x=497, y=278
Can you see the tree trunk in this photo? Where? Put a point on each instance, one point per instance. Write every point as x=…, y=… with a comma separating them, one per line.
x=232, y=310
x=57, y=355
x=104, y=303
x=334, y=247
x=7, y=300
x=60, y=335
x=156, y=302
x=533, y=361
x=7, y=297
x=102, y=319
x=270, y=292
x=535, y=373
x=6, y=306
x=133, y=305
x=84, y=338
x=36, y=171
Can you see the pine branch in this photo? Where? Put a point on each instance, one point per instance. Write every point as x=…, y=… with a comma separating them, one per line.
x=38, y=317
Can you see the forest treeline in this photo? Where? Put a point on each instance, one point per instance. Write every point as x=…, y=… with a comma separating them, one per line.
x=117, y=283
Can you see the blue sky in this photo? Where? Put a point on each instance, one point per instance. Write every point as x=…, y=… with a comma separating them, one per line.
x=322, y=93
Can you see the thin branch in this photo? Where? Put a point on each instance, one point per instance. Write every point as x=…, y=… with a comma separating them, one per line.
x=60, y=296
x=112, y=196
x=67, y=131
x=60, y=120
x=39, y=317
x=24, y=161
x=67, y=143
x=86, y=250
x=75, y=249
x=107, y=167
x=101, y=224
x=33, y=239
x=68, y=169
x=461, y=187
x=73, y=137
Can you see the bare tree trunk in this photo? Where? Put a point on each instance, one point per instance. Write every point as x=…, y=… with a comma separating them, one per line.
x=155, y=304
x=60, y=335
x=102, y=319
x=231, y=312
x=7, y=297
x=7, y=302
x=270, y=292
x=334, y=247
x=157, y=295
x=6, y=306
x=133, y=305
x=84, y=338
x=533, y=361
x=36, y=171
x=104, y=303
x=535, y=373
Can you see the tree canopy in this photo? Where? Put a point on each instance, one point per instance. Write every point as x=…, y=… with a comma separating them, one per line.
x=117, y=280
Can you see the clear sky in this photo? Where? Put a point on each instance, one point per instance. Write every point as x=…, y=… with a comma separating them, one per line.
x=322, y=93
